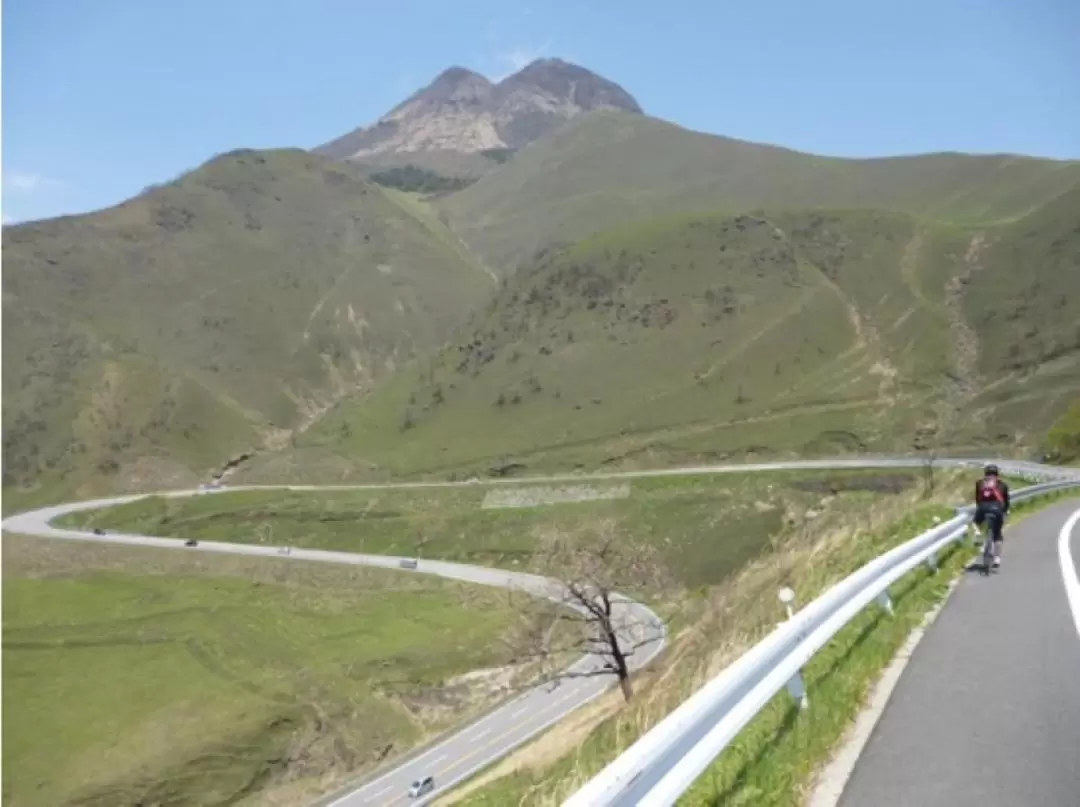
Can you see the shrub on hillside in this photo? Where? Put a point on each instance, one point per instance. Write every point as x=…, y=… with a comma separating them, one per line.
x=413, y=178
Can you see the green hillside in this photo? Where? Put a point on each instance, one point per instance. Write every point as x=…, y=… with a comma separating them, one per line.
x=149, y=343
x=708, y=337
x=1024, y=304
x=606, y=169
x=1063, y=439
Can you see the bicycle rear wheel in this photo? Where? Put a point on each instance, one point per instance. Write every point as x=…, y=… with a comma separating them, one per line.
x=988, y=552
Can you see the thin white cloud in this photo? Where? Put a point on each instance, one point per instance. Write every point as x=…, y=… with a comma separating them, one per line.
x=512, y=60
x=505, y=55
x=27, y=183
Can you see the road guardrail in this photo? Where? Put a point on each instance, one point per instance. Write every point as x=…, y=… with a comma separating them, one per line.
x=665, y=762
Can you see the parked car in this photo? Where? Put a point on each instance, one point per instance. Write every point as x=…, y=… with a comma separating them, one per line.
x=421, y=787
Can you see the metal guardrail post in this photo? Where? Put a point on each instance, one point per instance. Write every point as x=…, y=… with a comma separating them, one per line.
x=796, y=686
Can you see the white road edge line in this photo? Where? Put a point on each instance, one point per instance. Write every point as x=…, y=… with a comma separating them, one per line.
x=830, y=782
x=1068, y=567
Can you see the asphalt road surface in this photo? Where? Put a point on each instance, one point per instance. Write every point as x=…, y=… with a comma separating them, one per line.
x=454, y=759
x=987, y=712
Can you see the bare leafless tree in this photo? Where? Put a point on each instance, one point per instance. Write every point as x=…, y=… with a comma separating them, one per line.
x=929, y=472
x=925, y=442
x=587, y=611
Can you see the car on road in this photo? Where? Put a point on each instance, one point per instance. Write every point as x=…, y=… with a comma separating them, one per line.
x=421, y=787
x=191, y=542
x=407, y=563
x=98, y=531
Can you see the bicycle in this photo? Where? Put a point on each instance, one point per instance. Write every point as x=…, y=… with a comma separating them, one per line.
x=988, y=551
x=988, y=541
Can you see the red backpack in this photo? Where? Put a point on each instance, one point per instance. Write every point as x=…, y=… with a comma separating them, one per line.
x=990, y=489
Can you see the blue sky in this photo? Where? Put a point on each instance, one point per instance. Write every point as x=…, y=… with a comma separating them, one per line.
x=104, y=97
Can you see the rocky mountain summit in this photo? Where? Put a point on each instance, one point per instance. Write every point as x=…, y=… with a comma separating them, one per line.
x=462, y=111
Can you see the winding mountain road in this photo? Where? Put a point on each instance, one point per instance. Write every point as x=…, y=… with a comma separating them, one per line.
x=457, y=757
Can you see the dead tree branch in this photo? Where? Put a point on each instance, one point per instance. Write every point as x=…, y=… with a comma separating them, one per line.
x=585, y=613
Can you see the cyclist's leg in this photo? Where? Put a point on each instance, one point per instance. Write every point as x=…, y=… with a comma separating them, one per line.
x=976, y=523
x=997, y=523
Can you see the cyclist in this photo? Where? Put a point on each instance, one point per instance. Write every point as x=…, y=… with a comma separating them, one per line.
x=991, y=506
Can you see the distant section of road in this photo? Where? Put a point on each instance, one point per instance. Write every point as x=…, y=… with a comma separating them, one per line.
x=987, y=712
x=457, y=757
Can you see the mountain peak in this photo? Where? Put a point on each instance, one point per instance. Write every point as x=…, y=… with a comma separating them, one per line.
x=565, y=82
x=463, y=111
x=457, y=73
x=454, y=80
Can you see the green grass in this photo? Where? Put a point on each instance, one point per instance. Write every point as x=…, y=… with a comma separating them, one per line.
x=706, y=527
x=151, y=676
x=607, y=169
x=148, y=343
x=705, y=337
x=1025, y=302
x=1063, y=440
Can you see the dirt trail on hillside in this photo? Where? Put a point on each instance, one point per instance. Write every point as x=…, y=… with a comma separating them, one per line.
x=963, y=383
x=868, y=340
x=909, y=264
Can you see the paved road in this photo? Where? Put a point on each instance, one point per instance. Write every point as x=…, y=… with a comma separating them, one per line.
x=1016, y=468
x=460, y=755
x=987, y=711
x=499, y=732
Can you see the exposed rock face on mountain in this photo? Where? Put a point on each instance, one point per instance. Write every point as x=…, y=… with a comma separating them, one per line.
x=461, y=111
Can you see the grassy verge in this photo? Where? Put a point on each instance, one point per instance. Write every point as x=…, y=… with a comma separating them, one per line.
x=147, y=676
x=773, y=760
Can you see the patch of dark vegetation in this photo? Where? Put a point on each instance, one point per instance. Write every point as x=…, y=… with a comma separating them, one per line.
x=833, y=439
x=504, y=469
x=356, y=515
x=499, y=156
x=415, y=179
x=174, y=219
x=233, y=464
x=856, y=483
